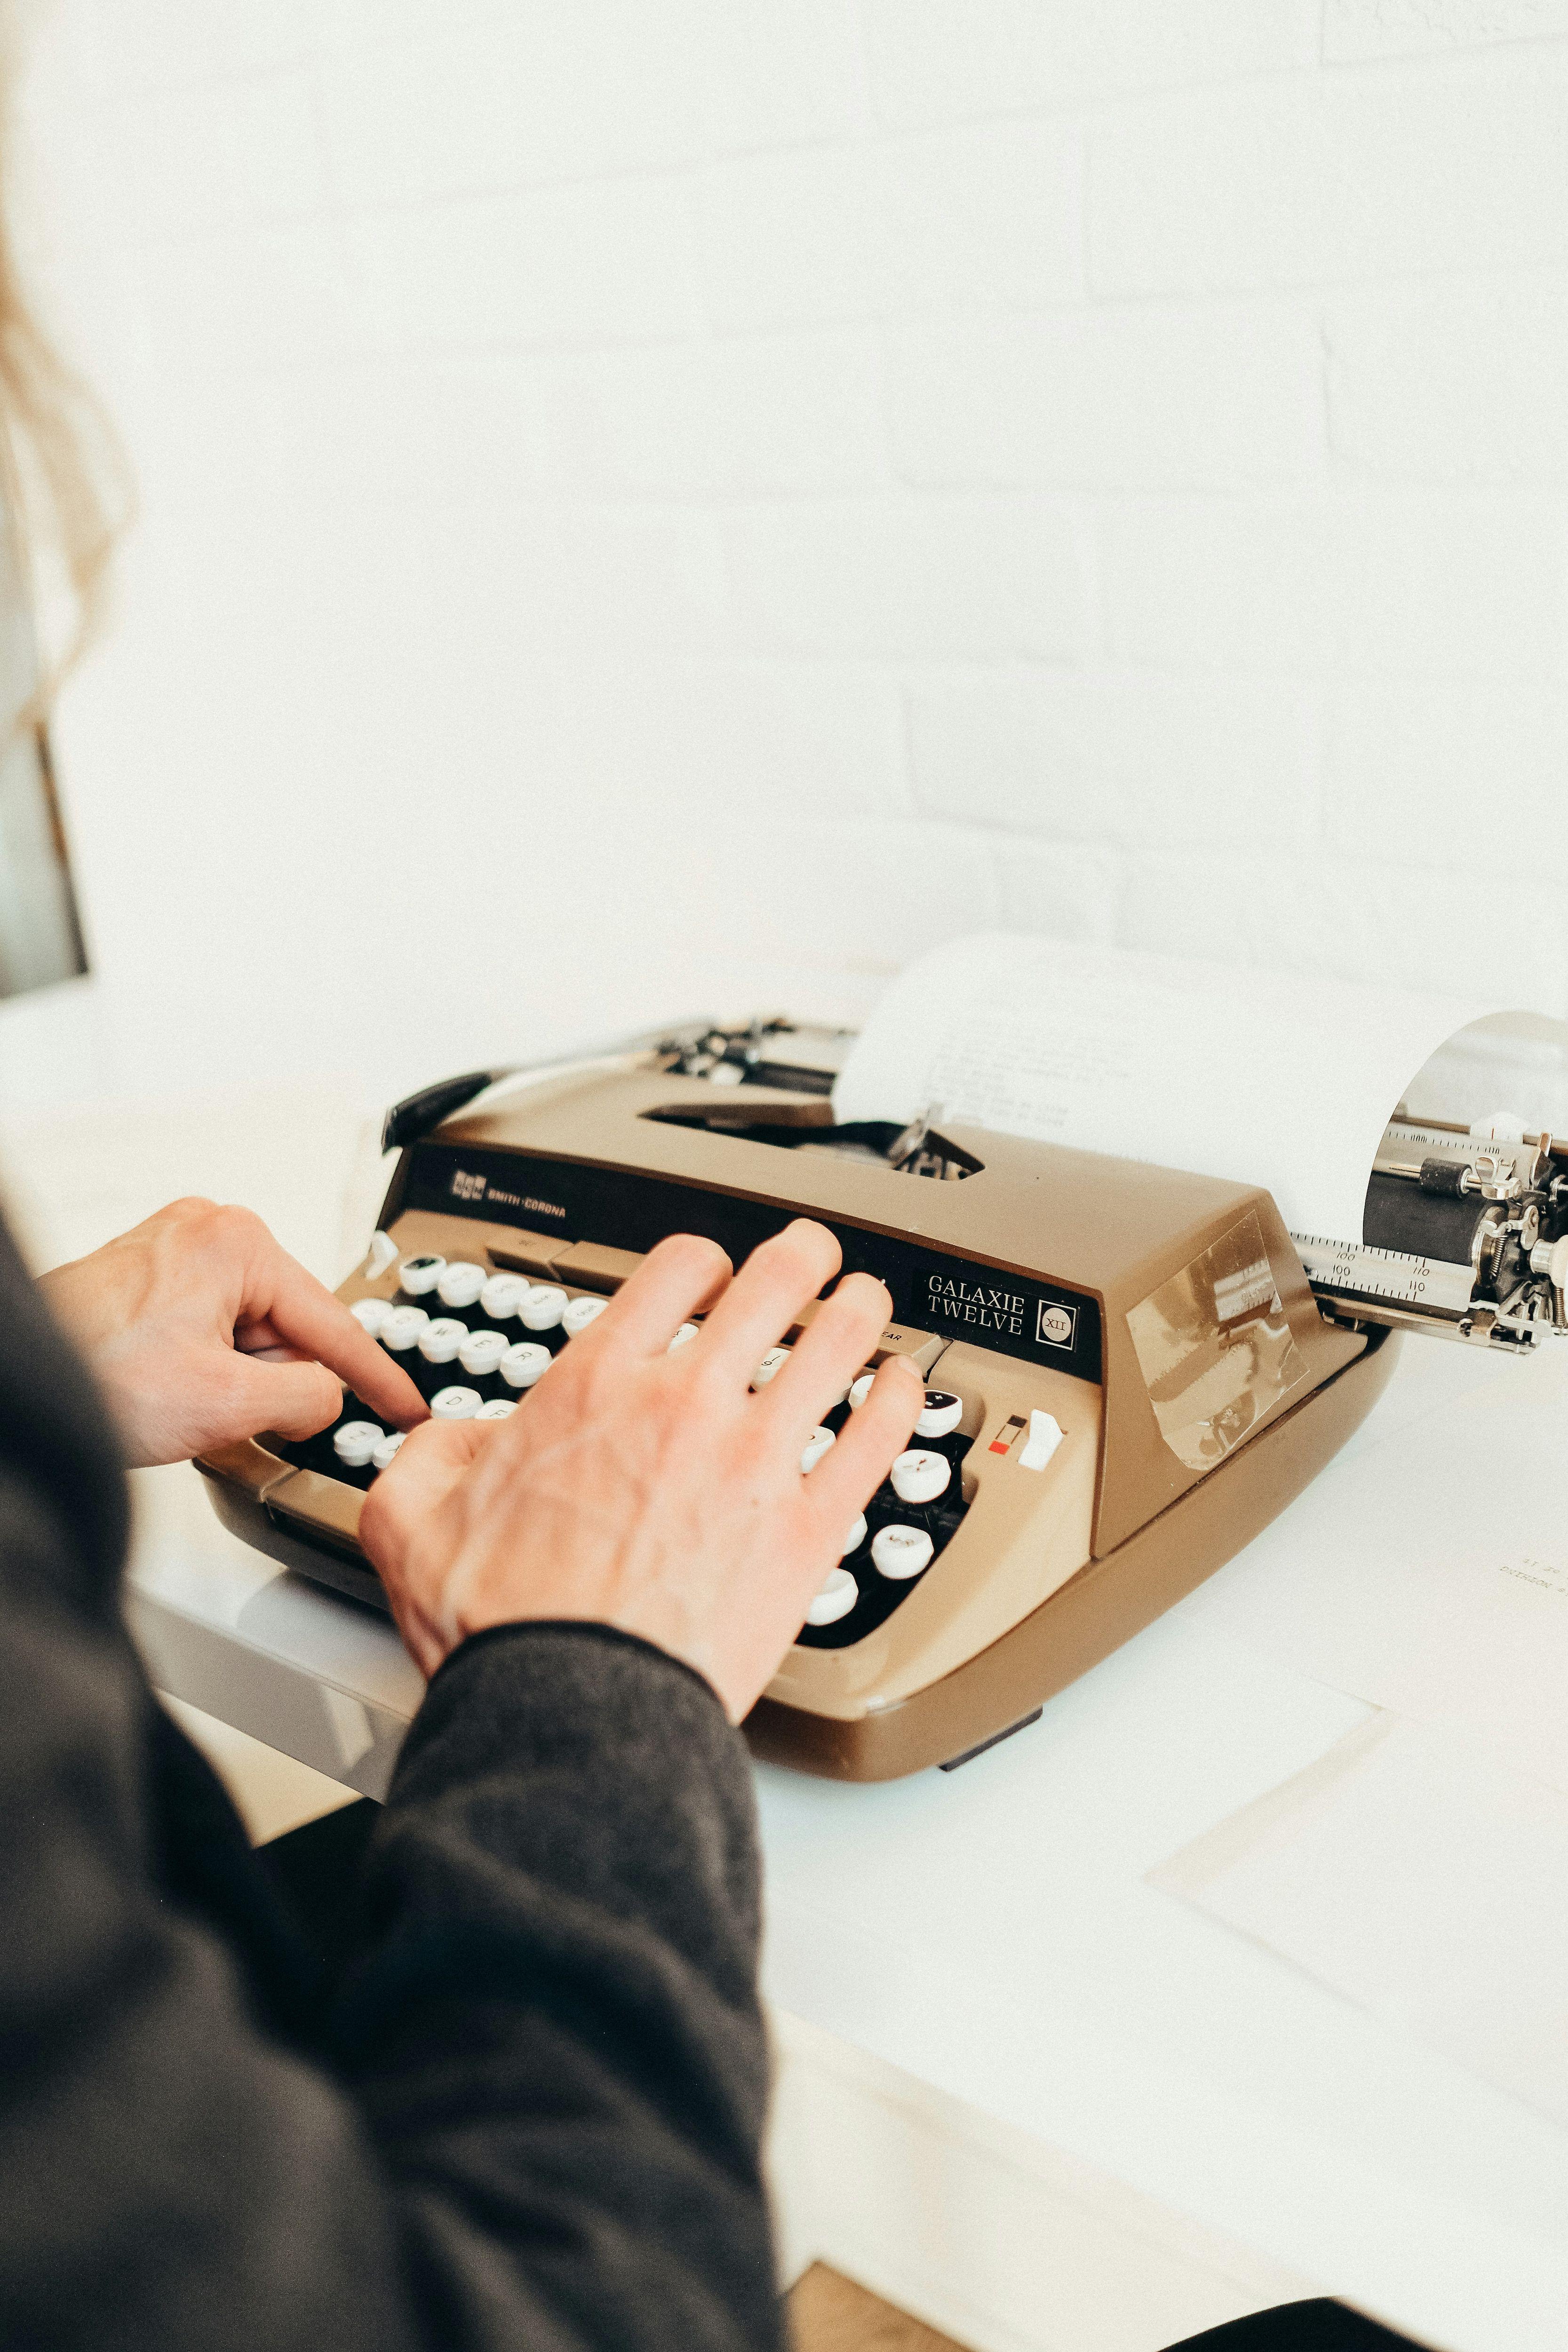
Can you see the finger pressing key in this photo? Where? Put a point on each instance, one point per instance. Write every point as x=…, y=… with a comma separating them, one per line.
x=767, y=1295
x=845, y=1480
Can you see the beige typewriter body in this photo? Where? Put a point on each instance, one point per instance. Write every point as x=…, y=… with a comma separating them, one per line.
x=1049, y=1281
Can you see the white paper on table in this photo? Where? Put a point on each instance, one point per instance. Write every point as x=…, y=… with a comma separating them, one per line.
x=1264, y=1077
x=1424, y=1881
x=1431, y=1574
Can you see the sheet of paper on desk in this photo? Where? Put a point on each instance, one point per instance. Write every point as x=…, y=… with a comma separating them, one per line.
x=1431, y=1574
x=1265, y=1078
x=1418, y=1877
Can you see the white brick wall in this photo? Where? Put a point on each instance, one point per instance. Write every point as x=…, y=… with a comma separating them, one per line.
x=639, y=491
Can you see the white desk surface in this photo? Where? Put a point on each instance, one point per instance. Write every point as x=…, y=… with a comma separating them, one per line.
x=990, y=1931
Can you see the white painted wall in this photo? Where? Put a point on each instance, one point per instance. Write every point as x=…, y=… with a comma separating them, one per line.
x=630, y=485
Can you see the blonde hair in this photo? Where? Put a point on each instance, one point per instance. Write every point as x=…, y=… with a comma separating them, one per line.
x=65, y=476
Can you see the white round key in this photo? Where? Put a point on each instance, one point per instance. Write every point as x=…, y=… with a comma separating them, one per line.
x=769, y=1368
x=683, y=1337
x=859, y=1390
x=500, y=1409
x=439, y=1342
x=920, y=1478
x=855, y=1539
x=461, y=1283
x=499, y=1298
x=370, y=1314
x=481, y=1351
x=542, y=1308
x=580, y=1312
x=943, y=1413
x=384, y=1455
x=402, y=1329
x=522, y=1365
x=455, y=1404
x=817, y=1446
x=419, y=1276
x=356, y=1441
x=837, y=1596
x=901, y=1552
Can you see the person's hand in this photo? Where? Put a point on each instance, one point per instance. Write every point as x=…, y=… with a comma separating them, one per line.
x=201, y=1330
x=654, y=1491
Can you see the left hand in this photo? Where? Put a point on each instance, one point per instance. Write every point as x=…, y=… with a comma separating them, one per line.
x=200, y=1329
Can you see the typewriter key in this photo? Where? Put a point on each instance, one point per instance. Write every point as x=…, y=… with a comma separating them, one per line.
x=481, y=1351
x=920, y=1478
x=460, y=1286
x=522, y=1365
x=579, y=1314
x=419, y=1276
x=440, y=1340
x=542, y=1308
x=401, y=1330
x=370, y=1314
x=855, y=1539
x=384, y=1454
x=943, y=1413
x=769, y=1368
x=355, y=1442
x=499, y=1408
x=901, y=1552
x=817, y=1446
x=859, y=1390
x=837, y=1596
x=499, y=1298
x=687, y=1333
x=455, y=1404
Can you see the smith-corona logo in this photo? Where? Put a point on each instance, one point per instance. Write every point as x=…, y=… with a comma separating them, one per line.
x=955, y=1300
x=466, y=1187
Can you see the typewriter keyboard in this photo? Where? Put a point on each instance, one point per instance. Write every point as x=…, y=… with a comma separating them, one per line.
x=475, y=1343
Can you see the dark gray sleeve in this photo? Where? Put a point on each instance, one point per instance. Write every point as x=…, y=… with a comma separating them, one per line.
x=554, y=2032
x=544, y=2129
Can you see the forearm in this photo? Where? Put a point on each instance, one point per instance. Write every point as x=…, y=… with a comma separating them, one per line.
x=553, y=2031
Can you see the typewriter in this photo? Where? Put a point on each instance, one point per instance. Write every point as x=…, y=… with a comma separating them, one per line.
x=1129, y=1371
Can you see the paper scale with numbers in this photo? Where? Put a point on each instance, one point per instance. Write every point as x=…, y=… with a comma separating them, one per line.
x=1131, y=1370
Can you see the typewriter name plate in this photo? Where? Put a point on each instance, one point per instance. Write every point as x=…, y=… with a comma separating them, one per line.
x=1012, y=1313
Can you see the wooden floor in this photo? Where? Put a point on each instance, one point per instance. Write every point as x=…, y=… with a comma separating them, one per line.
x=830, y=2314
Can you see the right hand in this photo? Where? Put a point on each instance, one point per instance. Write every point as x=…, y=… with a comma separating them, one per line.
x=655, y=1491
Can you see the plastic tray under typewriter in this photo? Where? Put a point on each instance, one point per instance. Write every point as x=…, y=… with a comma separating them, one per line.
x=1131, y=1374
